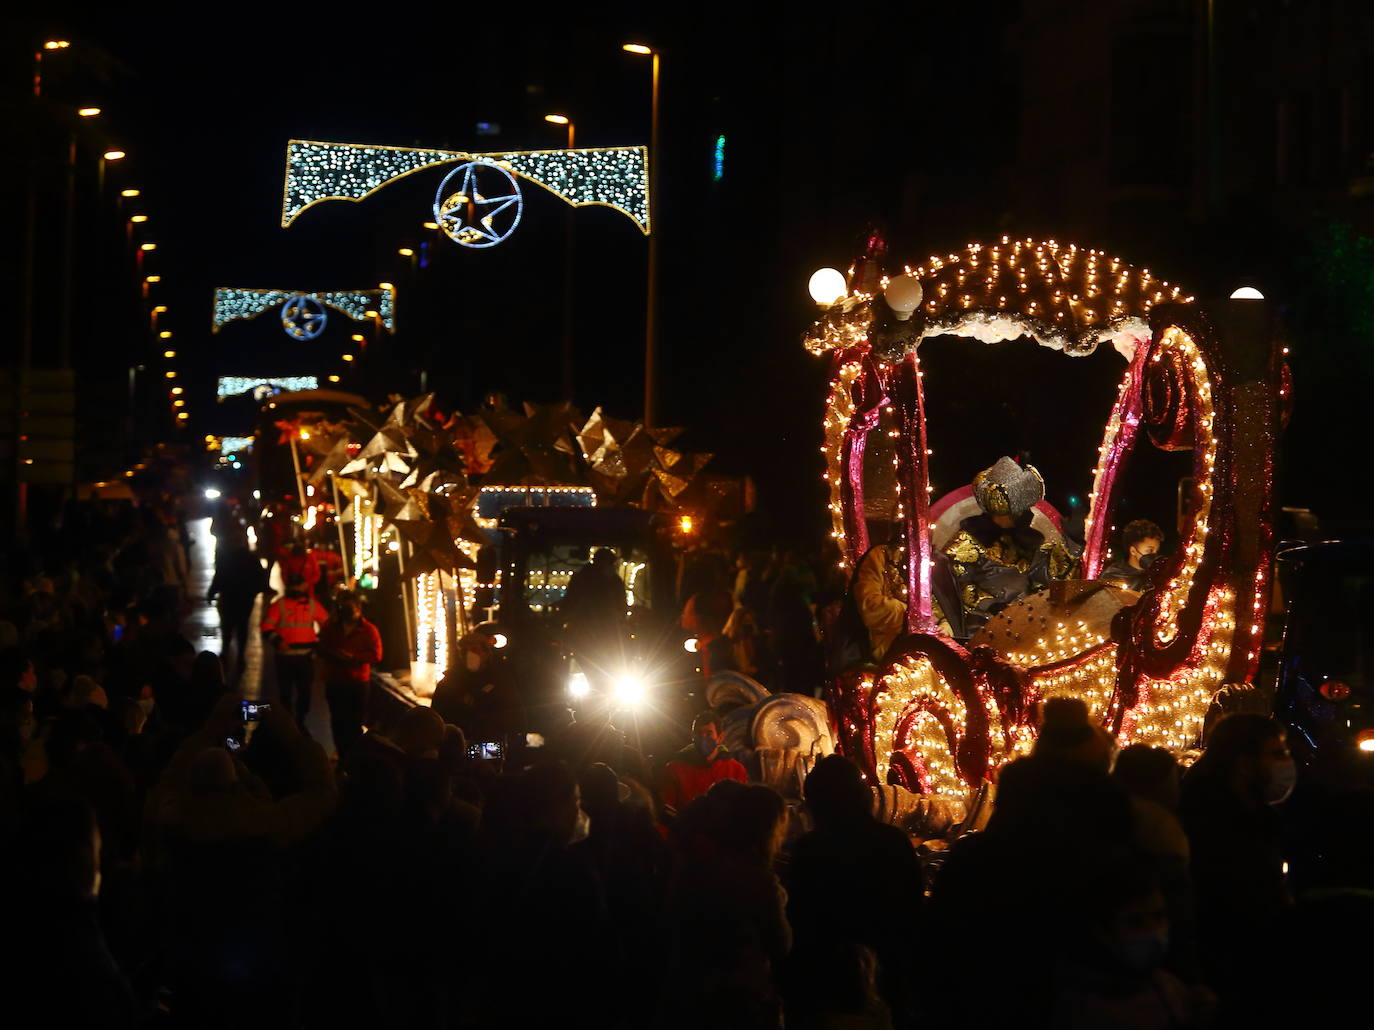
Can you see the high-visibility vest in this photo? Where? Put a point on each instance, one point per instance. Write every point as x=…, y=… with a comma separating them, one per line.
x=294, y=619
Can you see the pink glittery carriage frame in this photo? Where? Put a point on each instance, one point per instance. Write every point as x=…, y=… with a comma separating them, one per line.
x=937, y=718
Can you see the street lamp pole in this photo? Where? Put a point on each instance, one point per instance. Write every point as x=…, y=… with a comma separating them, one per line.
x=569, y=268
x=651, y=316
x=651, y=304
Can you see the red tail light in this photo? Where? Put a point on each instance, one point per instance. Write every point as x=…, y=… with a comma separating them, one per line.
x=1335, y=690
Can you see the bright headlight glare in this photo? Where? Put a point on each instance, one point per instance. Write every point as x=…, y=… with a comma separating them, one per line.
x=211, y=494
x=691, y=645
x=578, y=685
x=629, y=690
x=500, y=640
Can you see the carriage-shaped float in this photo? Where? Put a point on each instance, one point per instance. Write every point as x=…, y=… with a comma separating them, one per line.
x=937, y=718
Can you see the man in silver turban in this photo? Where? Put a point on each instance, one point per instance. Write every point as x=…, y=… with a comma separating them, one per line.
x=997, y=556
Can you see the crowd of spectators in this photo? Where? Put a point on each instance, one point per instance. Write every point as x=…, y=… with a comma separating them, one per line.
x=169, y=868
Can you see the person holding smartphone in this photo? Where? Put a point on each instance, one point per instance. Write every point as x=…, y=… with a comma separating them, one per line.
x=290, y=625
x=349, y=645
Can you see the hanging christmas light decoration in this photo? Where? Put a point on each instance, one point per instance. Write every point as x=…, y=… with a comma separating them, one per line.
x=478, y=204
x=303, y=313
x=232, y=386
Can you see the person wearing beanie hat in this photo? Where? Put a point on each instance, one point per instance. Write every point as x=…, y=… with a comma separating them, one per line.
x=997, y=556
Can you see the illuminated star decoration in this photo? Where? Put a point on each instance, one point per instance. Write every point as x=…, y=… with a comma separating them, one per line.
x=460, y=213
x=233, y=303
x=614, y=177
x=303, y=318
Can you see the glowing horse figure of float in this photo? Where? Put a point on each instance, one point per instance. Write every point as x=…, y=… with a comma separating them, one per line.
x=938, y=718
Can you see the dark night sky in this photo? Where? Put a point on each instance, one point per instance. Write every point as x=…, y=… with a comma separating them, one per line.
x=832, y=119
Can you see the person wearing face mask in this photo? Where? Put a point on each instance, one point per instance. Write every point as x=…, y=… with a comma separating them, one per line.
x=290, y=626
x=1142, y=540
x=1227, y=808
x=1112, y=968
x=706, y=761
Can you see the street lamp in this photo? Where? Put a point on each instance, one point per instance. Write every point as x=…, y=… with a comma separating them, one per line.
x=114, y=155
x=88, y=112
x=651, y=312
x=562, y=119
x=50, y=45
x=138, y=219
x=147, y=246
x=127, y=194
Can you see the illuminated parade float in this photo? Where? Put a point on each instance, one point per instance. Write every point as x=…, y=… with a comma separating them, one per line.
x=937, y=716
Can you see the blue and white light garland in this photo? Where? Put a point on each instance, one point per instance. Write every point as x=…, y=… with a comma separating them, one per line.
x=615, y=177
x=232, y=303
x=232, y=386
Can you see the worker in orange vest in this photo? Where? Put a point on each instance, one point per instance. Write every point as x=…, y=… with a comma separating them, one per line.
x=290, y=625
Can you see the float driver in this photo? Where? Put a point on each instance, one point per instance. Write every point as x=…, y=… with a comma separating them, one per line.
x=998, y=557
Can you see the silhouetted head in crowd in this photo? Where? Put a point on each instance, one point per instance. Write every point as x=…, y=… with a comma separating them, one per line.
x=753, y=824
x=1068, y=733
x=191, y=703
x=16, y=671
x=61, y=842
x=17, y=722
x=1054, y=800
x=348, y=609
x=420, y=732
x=1131, y=921
x=453, y=750
x=1248, y=754
x=601, y=791
x=82, y=692
x=1149, y=773
x=835, y=792
x=551, y=798
x=374, y=782
x=429, y=787
x=131, y=715
x=295, y=585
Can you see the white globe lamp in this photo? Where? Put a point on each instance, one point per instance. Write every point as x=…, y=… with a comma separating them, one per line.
x=827, y=285
x=903, y=296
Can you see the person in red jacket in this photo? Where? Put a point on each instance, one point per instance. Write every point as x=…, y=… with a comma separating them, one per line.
x=289, y=625
x=705, y=761
x=349, y=645
x=297, y=561
x=330, y=566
